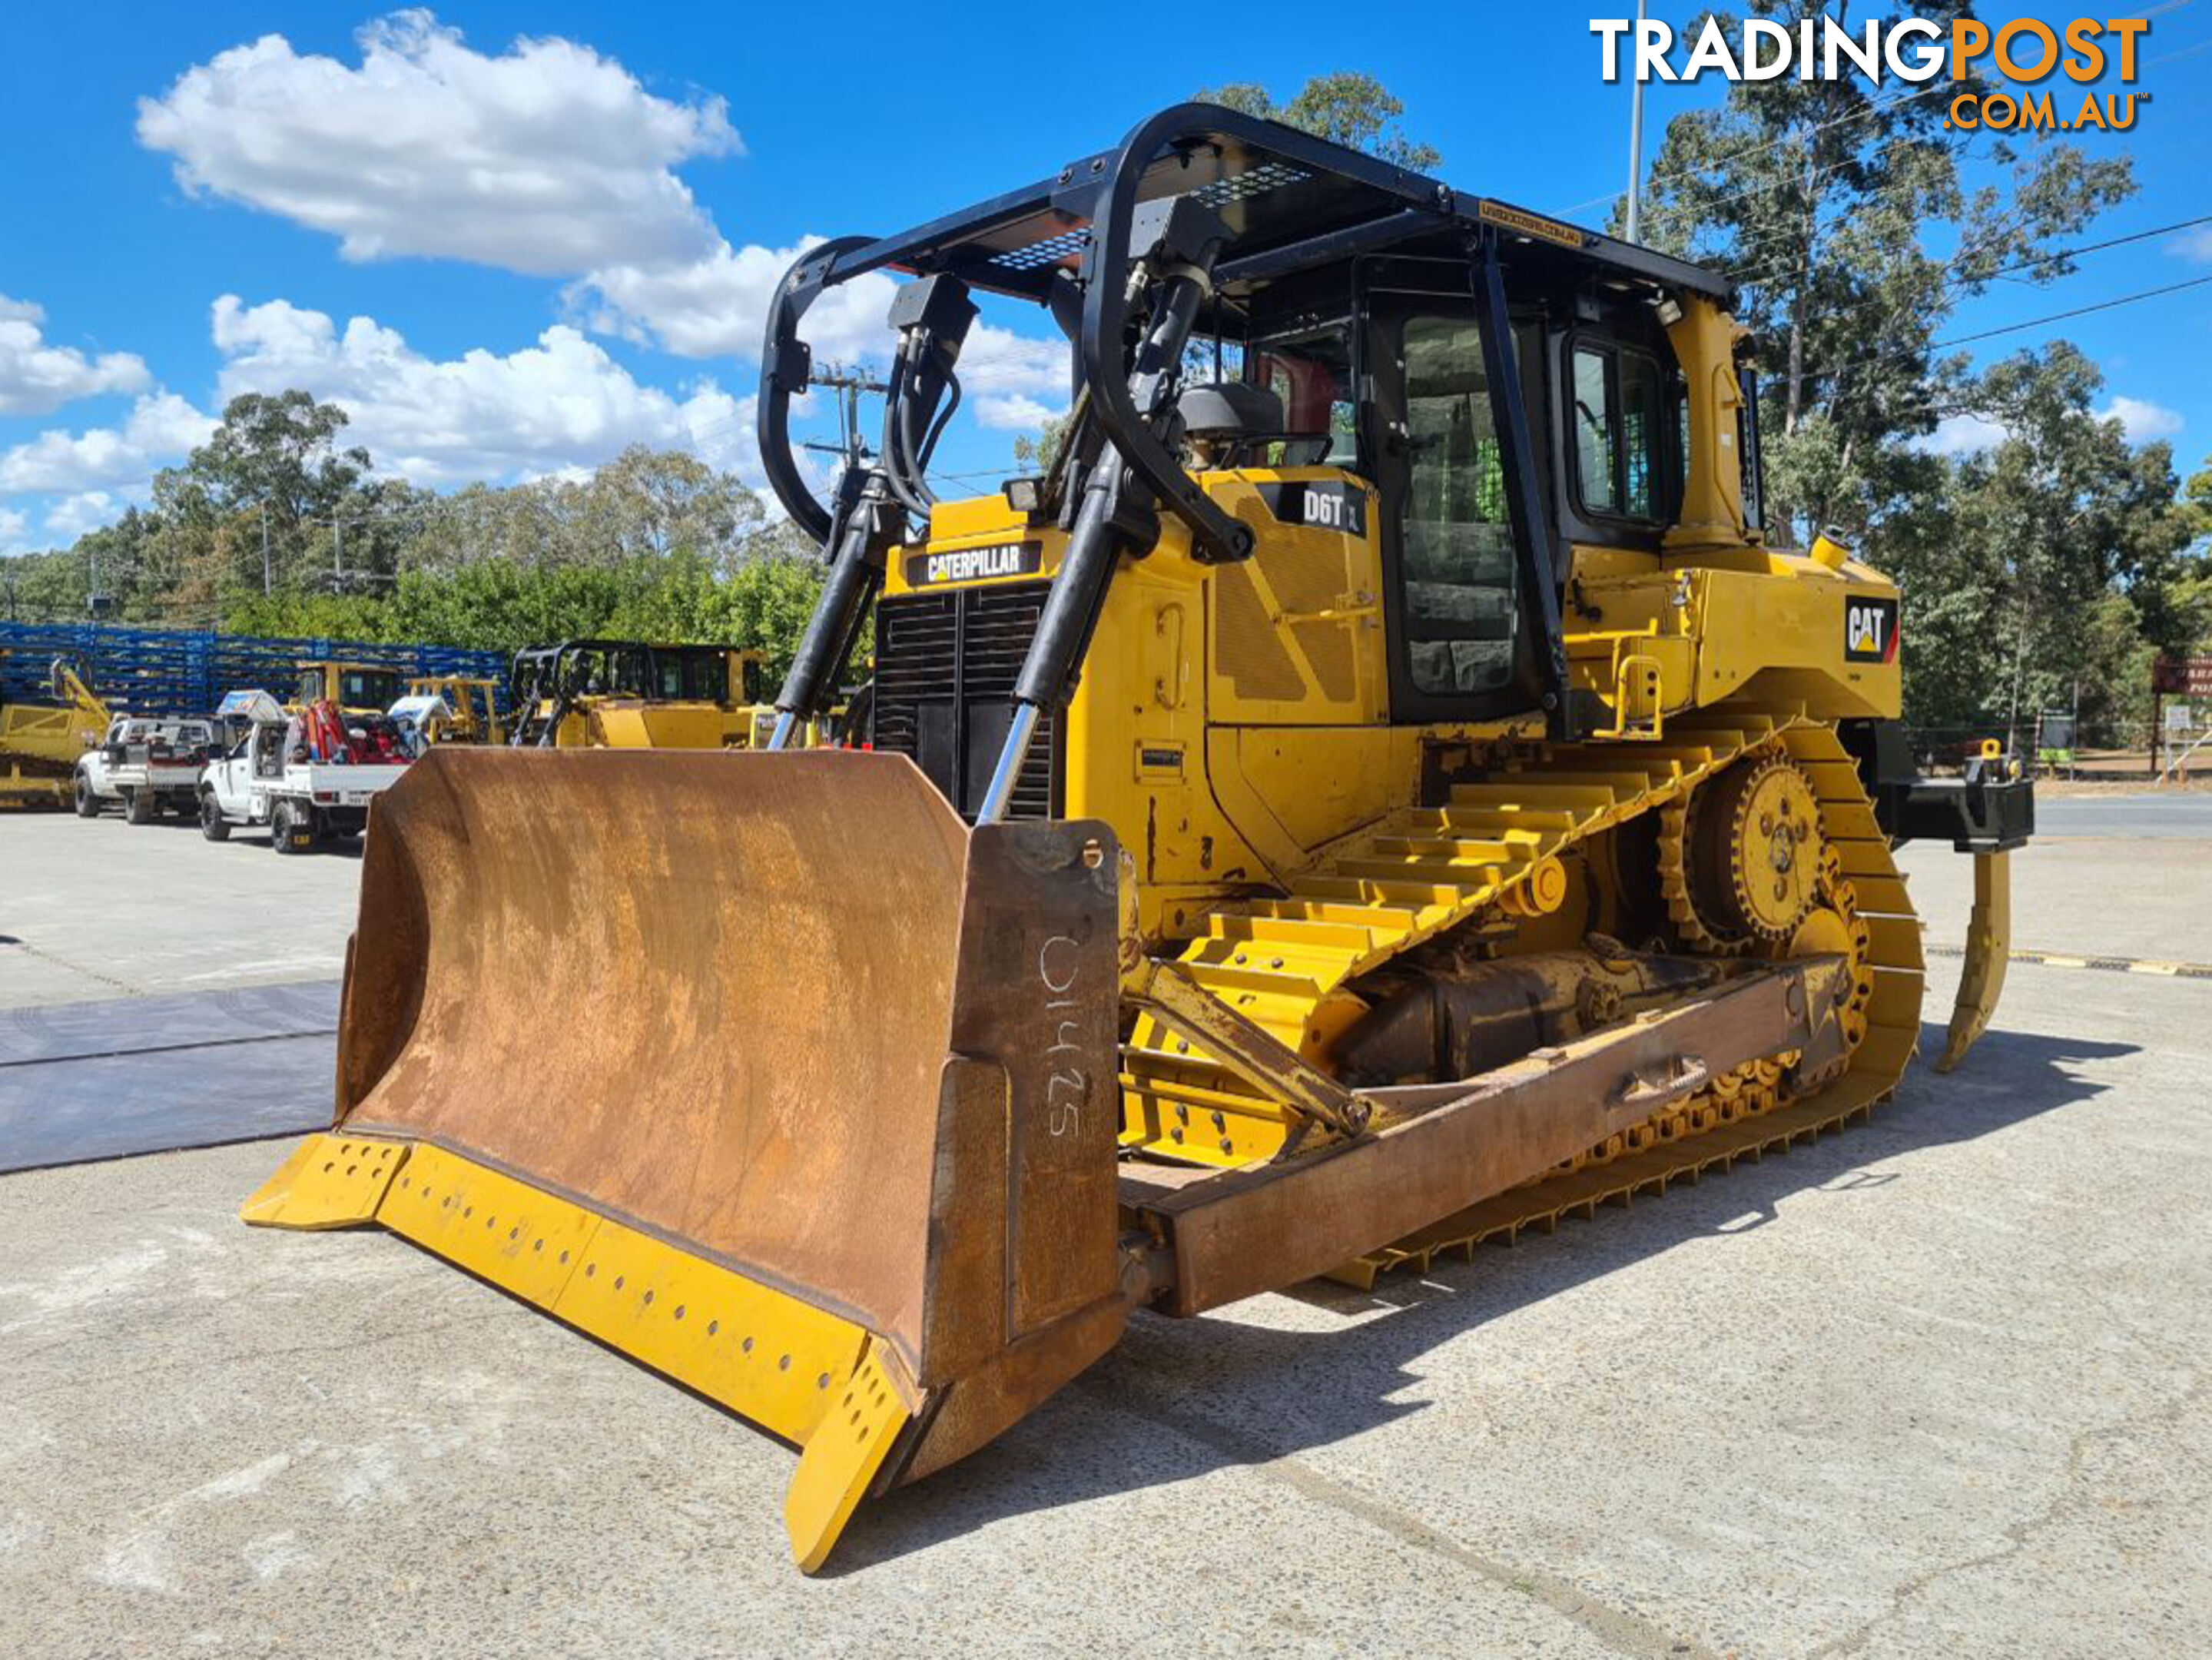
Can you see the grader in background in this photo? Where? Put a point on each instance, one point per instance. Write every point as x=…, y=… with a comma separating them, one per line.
x=1378, y=792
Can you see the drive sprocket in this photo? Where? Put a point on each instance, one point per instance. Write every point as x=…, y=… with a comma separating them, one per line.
x=1740, y=861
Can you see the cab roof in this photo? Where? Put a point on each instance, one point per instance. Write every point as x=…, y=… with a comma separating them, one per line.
x=1294, y=202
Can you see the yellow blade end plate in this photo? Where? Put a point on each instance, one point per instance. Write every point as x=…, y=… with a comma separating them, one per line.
x=842, y=1459
x=808, y=1376
x=328, y=1182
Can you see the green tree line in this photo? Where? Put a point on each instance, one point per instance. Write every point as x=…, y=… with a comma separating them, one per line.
x=275, y=527
x=2052, y=556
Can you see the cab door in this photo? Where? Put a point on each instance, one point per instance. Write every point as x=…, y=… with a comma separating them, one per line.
x=1456, y=617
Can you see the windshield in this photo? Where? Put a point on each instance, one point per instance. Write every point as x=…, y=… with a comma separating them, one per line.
x=368, y=689
x=357, y=688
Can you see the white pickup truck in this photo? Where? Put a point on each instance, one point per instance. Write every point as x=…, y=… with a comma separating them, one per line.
x=270, y=777
x=148, y=764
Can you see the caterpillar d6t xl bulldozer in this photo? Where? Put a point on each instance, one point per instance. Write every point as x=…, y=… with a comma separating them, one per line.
x=1377, y=792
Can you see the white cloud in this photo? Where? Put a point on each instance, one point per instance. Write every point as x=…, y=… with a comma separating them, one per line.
x=160, y=428
x=2195, y=245
x=2141, y=419
x=996, y=360
x=74, y=515
x=1017, y=413
x=718, y=307
x=562, y=402
x=548, y=158
x=12, y=526
x=36, y=376
x=1963, y=434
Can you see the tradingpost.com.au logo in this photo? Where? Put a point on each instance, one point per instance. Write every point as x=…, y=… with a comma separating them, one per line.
x=2027, y=52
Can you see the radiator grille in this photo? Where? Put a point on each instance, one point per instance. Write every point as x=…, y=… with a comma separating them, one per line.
x=946, y=668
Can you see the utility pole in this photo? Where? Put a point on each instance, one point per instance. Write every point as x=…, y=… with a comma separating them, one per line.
x=1635, y=141
x=338, y=548
x=849, y=384
x=265, y=550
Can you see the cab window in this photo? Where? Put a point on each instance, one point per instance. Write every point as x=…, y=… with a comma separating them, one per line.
x=1311, y=372
x=362, y=688
x=1619, y=425
x=1456, y=541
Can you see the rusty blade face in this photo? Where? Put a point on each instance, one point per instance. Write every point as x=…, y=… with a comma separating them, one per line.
x=784, y=1011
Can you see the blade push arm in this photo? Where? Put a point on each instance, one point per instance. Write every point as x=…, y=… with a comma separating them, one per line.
x=1119, y=511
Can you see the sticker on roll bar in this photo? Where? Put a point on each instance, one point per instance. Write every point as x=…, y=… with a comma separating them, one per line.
x=975, y=564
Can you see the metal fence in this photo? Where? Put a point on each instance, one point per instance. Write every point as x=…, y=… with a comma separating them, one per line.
x=187, y=671
x=2057, y=746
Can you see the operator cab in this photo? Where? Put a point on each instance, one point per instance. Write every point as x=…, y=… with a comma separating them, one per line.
x=1608, y=417
x=1515, y=402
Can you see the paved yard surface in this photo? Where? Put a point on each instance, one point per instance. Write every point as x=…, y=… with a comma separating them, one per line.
x=1934, y=1387
x=97, y=908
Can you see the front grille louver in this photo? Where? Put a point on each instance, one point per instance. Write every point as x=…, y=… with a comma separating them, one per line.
x=946, y=668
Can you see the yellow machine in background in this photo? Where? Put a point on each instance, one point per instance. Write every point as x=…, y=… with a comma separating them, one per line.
x=39, y=742
x=627, y=694
x=1378, y=793
x=472, y=709
x=353, y=688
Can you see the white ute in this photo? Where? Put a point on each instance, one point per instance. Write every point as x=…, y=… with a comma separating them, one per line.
x=146, y=764
x=270, y=778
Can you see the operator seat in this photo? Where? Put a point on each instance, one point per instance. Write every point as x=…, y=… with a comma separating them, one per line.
x=1222, y=420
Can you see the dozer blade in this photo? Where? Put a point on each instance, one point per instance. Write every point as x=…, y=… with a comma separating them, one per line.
x=762, y=1069
x=1988, y=947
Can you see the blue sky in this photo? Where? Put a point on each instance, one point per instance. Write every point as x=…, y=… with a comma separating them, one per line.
x=513, y=240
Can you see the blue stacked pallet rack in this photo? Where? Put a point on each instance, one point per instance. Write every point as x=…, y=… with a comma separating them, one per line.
x=187, y=671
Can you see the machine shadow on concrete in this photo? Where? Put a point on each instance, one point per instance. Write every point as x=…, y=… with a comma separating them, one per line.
x=1297, y=1391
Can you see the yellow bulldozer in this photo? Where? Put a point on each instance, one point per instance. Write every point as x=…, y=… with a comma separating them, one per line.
x=40, y=741
x=628, y=694
x=1378, y=791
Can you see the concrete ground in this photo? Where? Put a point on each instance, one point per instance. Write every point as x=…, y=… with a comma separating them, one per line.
x=1932, y=1387
x=97, y=908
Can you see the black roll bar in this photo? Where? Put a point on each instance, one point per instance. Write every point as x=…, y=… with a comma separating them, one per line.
x=787, y=363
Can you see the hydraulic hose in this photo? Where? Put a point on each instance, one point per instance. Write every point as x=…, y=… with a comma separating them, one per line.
x=856, y=574
x=1118, y=514
x=933, y=317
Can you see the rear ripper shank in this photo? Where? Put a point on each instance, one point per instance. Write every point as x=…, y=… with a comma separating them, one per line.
x=1376, y=791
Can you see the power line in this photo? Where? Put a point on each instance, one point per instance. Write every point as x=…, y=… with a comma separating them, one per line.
x=2026, y=264
x=2086, y=247
x=2179, y=52
x=2078, y=311
x=1751, y=273
x=2009, y=328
